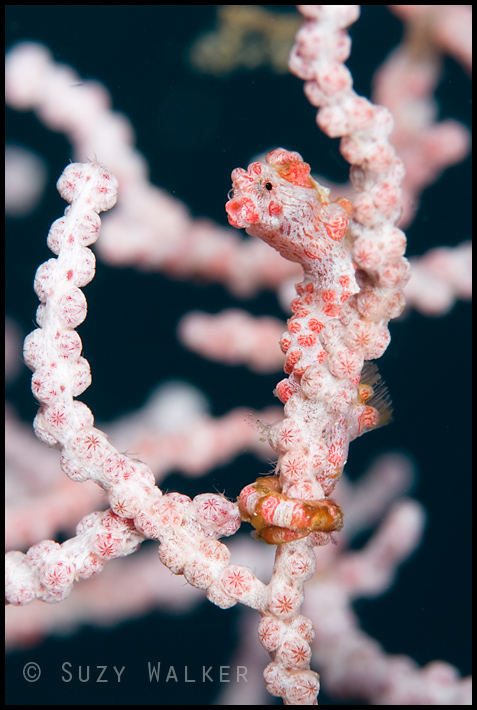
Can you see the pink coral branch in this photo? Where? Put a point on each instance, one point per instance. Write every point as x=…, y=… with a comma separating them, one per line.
x=138, y=509
x=188, y=530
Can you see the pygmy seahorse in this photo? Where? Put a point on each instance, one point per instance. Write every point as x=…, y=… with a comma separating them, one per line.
x=328, y=396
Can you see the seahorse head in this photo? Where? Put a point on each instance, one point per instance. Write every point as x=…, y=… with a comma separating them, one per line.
x=279, y=202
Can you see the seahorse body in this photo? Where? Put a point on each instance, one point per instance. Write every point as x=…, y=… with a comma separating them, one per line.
x=326, y=405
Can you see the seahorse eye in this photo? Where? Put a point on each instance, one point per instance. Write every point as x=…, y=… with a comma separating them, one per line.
x=268, y=185
x=230, y=194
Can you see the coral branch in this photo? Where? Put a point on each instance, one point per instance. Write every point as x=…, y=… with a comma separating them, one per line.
x=138, y=508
